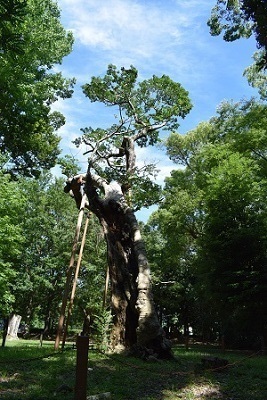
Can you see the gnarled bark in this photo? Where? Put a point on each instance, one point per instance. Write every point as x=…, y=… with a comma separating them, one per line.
x=135, y=317
x=136, y=324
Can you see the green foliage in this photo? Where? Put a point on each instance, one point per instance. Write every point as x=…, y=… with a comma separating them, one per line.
x=102, y=327
x=142, y=109
x=237, y=19
x=240, y=18
x=256, y=11
x=169, y=239
x=229, y=17
x=257, y=77
x=158, y=100
x=32, y=41
x=69, y=165
x=213, y=219
x=11, y=238
x=12, y=13
x=37, y=227
x=114, y=88
x=162, y=101
x=48, y=226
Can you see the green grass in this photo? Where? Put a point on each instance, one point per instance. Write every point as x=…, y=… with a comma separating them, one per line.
x=33, y=373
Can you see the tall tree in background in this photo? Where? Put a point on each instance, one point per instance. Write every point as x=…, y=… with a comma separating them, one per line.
x=32, y=41
x=48, y=224
x=170, y=252
x=37, y=226
x=243, y=18
x=12, y=202
x=225, y=162
x=116, y=187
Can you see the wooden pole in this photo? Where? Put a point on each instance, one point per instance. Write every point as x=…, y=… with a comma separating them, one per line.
x=106, y=288
x=75, y=279
x=81, y=367
x=69, y=274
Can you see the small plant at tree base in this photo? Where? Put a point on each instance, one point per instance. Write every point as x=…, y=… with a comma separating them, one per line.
x=102, y=325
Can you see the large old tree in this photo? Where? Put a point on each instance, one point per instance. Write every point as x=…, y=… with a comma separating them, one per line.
x=116, y=187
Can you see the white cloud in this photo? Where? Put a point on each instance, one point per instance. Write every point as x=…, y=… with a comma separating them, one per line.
x=158, y=37
x=141, y=29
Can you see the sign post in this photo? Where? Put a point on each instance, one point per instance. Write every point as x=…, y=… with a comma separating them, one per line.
x=81, y=367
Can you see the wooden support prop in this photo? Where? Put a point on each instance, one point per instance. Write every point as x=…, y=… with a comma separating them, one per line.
x=106, y=288
x=75, y=279
x=81, y=367
x=69, y=274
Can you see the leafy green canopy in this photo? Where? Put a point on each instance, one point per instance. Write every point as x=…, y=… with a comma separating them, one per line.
x=32, y=41
x=37, y=227
x=242, y=18
x=142, y=109
x=217, y=205
x=11, y=239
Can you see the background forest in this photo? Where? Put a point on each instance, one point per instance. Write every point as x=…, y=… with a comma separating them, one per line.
x=207, y=241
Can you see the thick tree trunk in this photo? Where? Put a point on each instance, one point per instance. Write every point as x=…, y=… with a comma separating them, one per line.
x=135, y=318
x=13, y=326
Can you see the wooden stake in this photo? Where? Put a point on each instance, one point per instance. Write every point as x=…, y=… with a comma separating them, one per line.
x=81, y=367
x=69, y=274
x=75, y=279
x=106, y=288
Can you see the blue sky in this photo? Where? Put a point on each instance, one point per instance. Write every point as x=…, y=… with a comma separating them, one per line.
x=168, y=37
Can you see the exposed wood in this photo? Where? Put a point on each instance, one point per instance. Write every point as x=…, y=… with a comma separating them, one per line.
x=13, y=326
x=106, y=288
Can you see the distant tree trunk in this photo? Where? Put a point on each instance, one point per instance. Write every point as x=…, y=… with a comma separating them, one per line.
x=13, y=326
x=263, y=338
x=47, y=327
x=135, y=317
x=5, y=331
x=186, y=335
x=47, y=324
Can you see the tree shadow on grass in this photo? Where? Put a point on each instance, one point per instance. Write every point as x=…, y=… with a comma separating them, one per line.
x=29, y=374
x=128, y=379
x=33, y=373
x=131, y=378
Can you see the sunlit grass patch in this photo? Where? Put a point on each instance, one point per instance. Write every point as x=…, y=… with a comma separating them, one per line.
x=29, y=372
